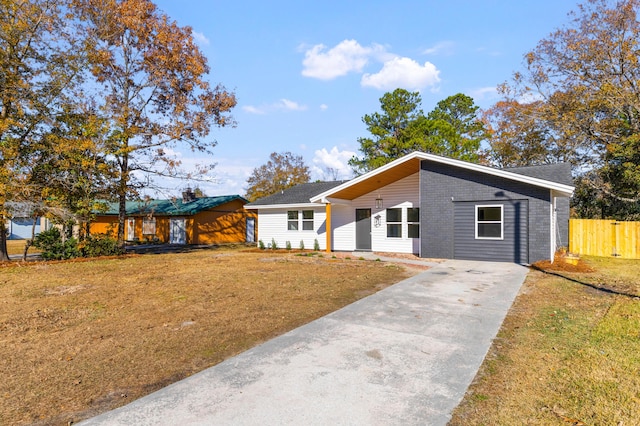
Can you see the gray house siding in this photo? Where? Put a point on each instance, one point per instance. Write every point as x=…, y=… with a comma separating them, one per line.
x=442, y=186
x=562, y=213
x=512, y=248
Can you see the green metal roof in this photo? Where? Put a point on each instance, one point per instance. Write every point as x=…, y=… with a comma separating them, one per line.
x=173, y=207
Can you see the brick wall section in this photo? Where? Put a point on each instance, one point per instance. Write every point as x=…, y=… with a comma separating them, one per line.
x=440, y=182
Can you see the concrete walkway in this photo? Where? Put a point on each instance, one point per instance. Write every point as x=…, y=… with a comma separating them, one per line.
x=403, y=356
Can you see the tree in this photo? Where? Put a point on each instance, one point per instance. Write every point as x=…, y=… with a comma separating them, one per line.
x=452, y=129
x=585, y=79
x=39, y=68
x=151, y=91
x=71, y=167
x=517, y=135
x=389, y=129
x=282, y=171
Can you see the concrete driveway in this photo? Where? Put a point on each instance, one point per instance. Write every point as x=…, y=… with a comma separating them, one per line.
x=403, y=356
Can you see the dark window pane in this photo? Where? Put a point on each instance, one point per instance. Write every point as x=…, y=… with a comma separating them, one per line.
x=489, y=230
x=394, y=230
x=292, y=225
x=394, y=215
x=307, y=214
x=414, y=231
x=489, y=214
x=292, y=215
x=307, y=225
x=413, y=215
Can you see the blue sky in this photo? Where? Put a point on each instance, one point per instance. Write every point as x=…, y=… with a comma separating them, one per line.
x=306, y=72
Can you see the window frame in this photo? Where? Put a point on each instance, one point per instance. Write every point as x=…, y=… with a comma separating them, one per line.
x=293, y=222
x=300, y=223
x=395, y=224
x=477, y=207
x=412, y=224
x=307, y=221
x=148, y=222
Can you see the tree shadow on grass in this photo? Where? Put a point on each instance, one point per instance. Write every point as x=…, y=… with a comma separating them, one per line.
x=586, y=284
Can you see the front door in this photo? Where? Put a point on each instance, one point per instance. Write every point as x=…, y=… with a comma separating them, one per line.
x=131, y=229
x=177, y=232
x=363, y=229
x=251, y=230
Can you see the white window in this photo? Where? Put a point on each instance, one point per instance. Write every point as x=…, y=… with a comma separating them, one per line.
x=292, y=220
x=394, y=223
x=307, y=220
x=413, y=222
x=149, y=226
x=489, y=222
x=294, y=217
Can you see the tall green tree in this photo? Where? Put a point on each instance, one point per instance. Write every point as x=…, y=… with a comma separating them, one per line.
x=282, y=171
x=452, y=129
x=39, y=68
x=152, y=90
x=458, y=127
x=585, y=80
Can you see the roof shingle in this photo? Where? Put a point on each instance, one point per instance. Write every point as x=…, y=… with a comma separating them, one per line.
x=299, y=194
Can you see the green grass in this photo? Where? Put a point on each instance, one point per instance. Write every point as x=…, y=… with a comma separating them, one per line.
x=567, y=353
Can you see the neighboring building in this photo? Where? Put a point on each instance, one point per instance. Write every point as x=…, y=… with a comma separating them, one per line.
x=428, y=205
x=22, y=224
x=190, y=220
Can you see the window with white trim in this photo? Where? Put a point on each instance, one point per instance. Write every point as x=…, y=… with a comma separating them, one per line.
x=294, y=217
x=149, y=226
x=292, y=220
x=307, y=220
x=394, y=223
x=413, y=222
x=489, y=222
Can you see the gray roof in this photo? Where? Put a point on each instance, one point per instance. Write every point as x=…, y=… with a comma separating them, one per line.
x=559, y=172
x=299, y=194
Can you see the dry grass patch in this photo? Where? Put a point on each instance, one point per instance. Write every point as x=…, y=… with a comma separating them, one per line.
x=568, y=352
x=17, y=247
x=79, y=338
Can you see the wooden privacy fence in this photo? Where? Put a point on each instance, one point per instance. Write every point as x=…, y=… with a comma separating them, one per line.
x=606, y=238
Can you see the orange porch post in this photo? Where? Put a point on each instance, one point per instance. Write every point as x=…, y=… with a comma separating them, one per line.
x=328, y=221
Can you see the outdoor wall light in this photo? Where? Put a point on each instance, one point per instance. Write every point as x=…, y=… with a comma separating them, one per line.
x=377, y=221
x=379, y=202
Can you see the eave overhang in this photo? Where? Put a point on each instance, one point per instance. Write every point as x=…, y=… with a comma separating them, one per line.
x=410, y=164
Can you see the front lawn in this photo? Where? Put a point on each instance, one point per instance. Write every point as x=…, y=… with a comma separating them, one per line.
x=568, y=352
x=82, y=337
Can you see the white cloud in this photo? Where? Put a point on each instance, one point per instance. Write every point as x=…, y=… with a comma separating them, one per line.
x=405, y=73
x=347, y=56
x=324, y=107
x=200, y=38
x=253, y=110
x=332, y=165
x=282, y=104
x=290, y=105
x=484, y=93
x=440, y=48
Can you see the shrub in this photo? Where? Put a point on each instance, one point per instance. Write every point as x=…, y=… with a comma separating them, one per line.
x=301, y=244
x=100, y=245
x=288, y=245
x=261, y=245
x=316, y=245
x=52, y=246
x=274, y=245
